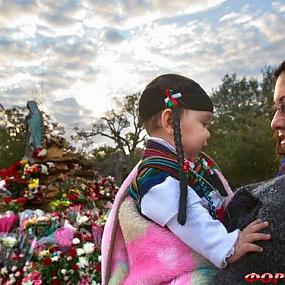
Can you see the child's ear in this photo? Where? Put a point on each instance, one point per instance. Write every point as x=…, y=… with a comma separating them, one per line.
x=167, y=121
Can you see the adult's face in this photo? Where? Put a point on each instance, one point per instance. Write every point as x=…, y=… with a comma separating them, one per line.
x=278, y=121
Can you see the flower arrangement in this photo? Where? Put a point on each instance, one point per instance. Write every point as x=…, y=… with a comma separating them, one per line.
x=57, y=246
x=74, y=262
x=20, y=184
x=16, y=252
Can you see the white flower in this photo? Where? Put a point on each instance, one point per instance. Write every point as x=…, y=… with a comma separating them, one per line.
x=65, y=278
x=63, y=271
x=43, y=253
x=12, y=279
x=100, y=258
x=44, y=169
x=76, y=241
x=80, y=251
x=55, y=258
x=14, y=268
x=88, y=247
x=9, y=241
x=82, y=262
x=4, y=270
x=27, y=283
x=18, y=274
x=69, y=258
x=81, y=219
x=50, y=164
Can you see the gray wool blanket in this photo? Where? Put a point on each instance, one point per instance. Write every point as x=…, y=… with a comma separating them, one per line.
x=265, y=201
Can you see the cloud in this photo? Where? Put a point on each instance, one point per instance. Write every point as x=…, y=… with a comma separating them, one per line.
x=68, y=112
x=182, y=6
x=16, y=95
x=279, y=6
x=16, y=8
x=137, y=12
x=60, y=13
x=271, y=26
x=113, y=36
x=236, y=18
x=92, y=51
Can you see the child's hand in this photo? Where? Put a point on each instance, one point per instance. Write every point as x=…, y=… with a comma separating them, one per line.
x=246, y=240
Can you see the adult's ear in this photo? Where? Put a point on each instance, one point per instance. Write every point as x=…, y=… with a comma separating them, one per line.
x=167, y=121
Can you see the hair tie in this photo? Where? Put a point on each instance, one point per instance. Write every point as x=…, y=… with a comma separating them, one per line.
x=170, y=100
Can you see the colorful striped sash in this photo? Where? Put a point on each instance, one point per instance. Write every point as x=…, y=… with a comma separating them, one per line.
x=159, y=162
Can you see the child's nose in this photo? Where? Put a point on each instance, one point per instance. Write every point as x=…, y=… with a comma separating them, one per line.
x=209, y=134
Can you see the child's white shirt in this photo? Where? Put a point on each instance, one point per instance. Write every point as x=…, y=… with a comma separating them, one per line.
x=201, y=232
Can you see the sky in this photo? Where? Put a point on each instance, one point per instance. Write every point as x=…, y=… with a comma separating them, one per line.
x=79, y=54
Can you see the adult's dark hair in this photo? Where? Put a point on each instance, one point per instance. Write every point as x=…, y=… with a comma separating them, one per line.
x=280, y=69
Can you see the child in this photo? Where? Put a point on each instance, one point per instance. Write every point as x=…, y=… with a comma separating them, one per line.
x=170, y=227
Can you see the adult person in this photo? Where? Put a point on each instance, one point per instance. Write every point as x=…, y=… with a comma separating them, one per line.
x=264, y=200
x=278, y=121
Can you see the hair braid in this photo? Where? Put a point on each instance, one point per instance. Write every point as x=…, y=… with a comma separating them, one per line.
x=182, y=211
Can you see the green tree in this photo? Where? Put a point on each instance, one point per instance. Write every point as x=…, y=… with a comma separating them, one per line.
x=242, y=141
x=13, y=133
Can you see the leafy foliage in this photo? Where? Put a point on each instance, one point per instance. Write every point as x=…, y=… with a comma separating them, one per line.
x=242, y=141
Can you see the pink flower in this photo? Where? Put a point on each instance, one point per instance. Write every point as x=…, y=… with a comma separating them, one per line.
x=84, y=281
x=34, y=276
x=7, y=222
x=64, y=237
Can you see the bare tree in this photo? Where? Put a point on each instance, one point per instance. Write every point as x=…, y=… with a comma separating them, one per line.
x=121, y=125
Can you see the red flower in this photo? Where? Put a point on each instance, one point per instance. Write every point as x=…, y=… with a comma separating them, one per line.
x=55, y=282
x=72, y=252
x=72, y=197
x=10, y=171
x=8, y=200
x=211, y=163
x=47, y=261
x=16, y=257
x=98, y=267
x=39, y=153
x=53, y=249
x=75, y=267
x=21, y=201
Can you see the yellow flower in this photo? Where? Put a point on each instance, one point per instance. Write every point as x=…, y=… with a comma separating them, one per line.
x=30, y=222
x=77, y=191
x=54, y=204
x=33, y=183
x=65, y=203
